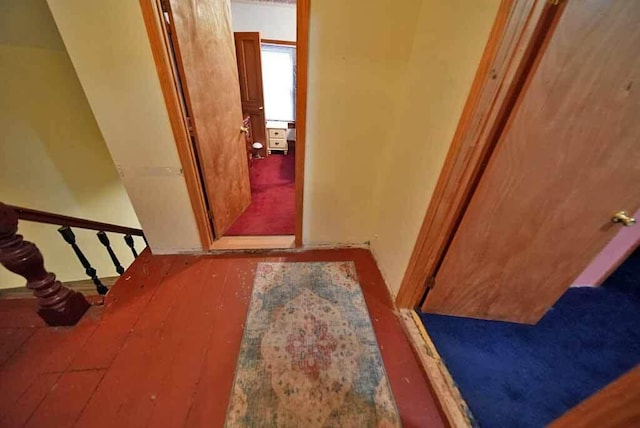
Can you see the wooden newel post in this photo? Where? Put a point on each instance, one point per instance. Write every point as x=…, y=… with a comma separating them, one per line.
x=57, y=305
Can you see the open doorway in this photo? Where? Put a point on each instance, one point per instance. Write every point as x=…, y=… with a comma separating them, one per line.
x=522, y=346
x=528, y=375
x=265, y=45
x=234, y=98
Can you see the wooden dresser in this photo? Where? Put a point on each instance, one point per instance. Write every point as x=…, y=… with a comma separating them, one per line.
x=277, y=136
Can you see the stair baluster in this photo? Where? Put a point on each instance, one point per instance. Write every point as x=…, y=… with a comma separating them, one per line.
x=57, y=305
x=70, y=238
x=128, y=239
x=104, y=240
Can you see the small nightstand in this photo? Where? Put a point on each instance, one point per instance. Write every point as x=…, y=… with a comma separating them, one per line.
x=277, y=136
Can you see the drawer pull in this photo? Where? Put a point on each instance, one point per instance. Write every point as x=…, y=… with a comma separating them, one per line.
x=277, y=133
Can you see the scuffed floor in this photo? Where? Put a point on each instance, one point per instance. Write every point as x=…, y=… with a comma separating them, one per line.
x=162, y=351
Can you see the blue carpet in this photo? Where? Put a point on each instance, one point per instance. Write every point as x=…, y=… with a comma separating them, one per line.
x=514, y=375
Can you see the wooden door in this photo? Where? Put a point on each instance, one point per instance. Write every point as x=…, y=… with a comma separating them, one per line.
x=205, y=51
x=568, y=159
x=249, y=61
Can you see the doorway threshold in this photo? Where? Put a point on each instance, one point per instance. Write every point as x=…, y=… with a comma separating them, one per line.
x=453, y=405
x=267, y=242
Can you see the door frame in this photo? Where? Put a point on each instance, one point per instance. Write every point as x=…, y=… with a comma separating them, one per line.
x=278, y=42
x=615, y=405
x=517, y=39
x=152, y=15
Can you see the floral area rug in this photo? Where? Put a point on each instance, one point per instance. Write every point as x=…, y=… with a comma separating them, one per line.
x=309, y=356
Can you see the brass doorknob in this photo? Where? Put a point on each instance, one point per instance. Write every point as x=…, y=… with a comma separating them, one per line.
x=244, y=129
x=624, y=218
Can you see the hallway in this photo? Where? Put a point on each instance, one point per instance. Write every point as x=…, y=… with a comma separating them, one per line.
x=162, y=351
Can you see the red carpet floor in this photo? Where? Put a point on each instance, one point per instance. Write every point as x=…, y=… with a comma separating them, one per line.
x=272, y=209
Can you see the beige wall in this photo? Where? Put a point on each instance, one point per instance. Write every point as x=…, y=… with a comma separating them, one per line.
x=109, y=48
x=448, y=43
x=273, y=20
x=387, y=83
x=355, y=70
x=385, y=96
x=53, y=156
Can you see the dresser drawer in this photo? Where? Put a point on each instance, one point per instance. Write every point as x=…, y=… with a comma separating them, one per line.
x=277, y=144
x=278, y=133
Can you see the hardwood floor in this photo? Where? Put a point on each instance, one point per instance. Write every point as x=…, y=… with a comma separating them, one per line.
x=162, y=350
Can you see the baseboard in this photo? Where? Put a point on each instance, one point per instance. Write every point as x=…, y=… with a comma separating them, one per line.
x=451, y=403
x=260, y=244
x=383, y=271
x=173, y=251
x=335, y=246
x=84, y=286
x=264, y=245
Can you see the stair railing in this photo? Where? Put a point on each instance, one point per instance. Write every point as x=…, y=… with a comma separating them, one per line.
x=57, y=304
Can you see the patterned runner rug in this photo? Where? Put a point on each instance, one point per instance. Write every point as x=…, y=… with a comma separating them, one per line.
x=309, y=356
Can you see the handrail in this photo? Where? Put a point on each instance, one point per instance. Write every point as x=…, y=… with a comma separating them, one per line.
x=29, y=214
x=9, y=216
x=57, y=305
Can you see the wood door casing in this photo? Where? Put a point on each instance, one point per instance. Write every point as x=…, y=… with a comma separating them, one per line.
x=249, y=63
x=518, y=30
x=302, y=71
x=566, y=161
x=205, y=49
x=617, y=405
x=166, y=66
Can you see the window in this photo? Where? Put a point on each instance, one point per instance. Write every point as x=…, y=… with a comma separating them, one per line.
x=279, y=81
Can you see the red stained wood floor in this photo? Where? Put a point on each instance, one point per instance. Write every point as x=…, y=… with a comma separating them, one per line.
x=162, y=350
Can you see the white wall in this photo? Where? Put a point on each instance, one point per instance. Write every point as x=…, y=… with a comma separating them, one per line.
x=275, y=21
x=53, y=157
x=109, y=48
